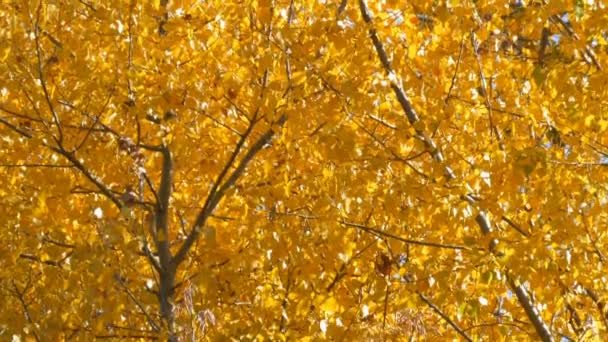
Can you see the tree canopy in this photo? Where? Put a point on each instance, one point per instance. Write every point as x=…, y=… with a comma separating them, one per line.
x=303, y=170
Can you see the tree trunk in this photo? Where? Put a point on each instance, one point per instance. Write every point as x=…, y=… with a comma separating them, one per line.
x=165, y=298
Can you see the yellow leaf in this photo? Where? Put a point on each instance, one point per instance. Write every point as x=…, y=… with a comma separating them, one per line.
x=589, y=120
x=330, y=305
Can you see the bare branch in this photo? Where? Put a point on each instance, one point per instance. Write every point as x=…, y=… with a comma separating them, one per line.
x=137, y=302
x=378, y=232
x=600, y=304
x=75, y=162
x=515, y=226
x=22, y=132
x=46, y=238
x=215, y=196
x=20, y=294
x=56, y=263
x=445, y=317
x=342, y=7
x=90, y=176
x=453, y=83
x=35, y=165
x=484, y=87
x=544, y=42
x=43, y=80
x=95, y=121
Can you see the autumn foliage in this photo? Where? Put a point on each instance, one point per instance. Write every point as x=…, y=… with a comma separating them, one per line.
x=303, y=170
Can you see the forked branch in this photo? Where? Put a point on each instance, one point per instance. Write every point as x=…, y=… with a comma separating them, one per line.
x=219, y=189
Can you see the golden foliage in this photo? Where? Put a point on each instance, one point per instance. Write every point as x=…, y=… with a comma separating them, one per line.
x=303, y=170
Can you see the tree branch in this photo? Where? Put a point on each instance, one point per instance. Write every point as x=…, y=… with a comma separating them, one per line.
x=445, y=317
x=42, y=79
x=600, y=304
x=28, y=315
x=524, y=299
x=137, y=303
x=75, y=162
x=484, y=87
x=215, y=196
x=481, y=217
x=378, y=232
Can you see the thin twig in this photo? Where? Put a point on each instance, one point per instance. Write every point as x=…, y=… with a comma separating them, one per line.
x=445, y=317
x=34, y=165
x=387, y=292
x=28, y=315
x=47, y=96
x=378, y=232
x=515, y=226
x=484, y=87
x=137, y=303
x=453, y=83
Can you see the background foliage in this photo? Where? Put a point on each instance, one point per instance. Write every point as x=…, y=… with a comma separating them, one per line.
x=303, y=169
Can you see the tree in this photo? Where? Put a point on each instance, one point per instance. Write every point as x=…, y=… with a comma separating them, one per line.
x=303, y=169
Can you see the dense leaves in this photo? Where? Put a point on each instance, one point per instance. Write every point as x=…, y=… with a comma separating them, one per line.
x=284, y=169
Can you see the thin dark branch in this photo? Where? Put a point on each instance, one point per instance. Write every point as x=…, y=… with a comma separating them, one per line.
x=581, y=164
x=342, y=271
x=105, y=128
x=544, y=42
x=41, y=121
x=95, y=122
x=217, y=190
x=255, y=148
x=445, y=317
x=342, y=7
x=47, y=96
x=494, y=324
x=216, y=195
x=220, y=123
x=90, y=6
x=45, y=238
x=515, y=226
x=497, y=110
x=137, y=303
x=72, y=158
x=453, y=83
x=28, y=315
x=34, y=165
x=56, y=263
x=151, y=186
x=378, y=232
x=382, y=122
x=600, y=304
x=90, y=176
x=484, y=86
x=396, y=157
x=386, y=294
x=123, y=336
x=15, y=128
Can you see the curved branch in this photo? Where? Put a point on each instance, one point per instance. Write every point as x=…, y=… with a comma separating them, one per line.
x=378, y=232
